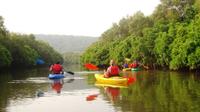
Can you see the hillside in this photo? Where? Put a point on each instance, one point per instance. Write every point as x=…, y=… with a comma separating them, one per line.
x=67, y=43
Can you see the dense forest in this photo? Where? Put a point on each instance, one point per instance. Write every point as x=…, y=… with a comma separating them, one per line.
x=168, y=38
x=20, y=50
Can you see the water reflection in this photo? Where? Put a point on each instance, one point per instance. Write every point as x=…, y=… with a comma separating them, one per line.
x=112, y=93
x=91, y=97
x=151, y=91
x=57, y=85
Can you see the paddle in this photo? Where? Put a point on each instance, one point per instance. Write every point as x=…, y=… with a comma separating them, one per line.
x=146, y=67
x=71, y=73
x=131, y=80
x=91, y=66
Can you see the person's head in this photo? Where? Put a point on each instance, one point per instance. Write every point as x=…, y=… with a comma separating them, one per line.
x=58, y=62
x=112, y=62
x=135, y=61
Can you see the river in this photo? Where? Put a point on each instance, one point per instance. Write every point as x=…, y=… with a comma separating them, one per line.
x=152, y=91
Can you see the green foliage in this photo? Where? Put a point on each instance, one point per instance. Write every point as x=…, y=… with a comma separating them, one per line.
x=5, y=57
x=72, y=58
x=23, y=50
x=168, y=38
x=47, y=53
x=138, y=22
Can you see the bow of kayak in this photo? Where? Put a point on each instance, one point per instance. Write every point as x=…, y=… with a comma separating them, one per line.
x=116, y=80
x=126, y=69
x=56, y=76
x=136, y=69
x=110, y=85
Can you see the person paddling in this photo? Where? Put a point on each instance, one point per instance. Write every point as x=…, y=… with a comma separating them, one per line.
x=125, y=65
x=56, y=68
x=112, y=70
x=135, y=64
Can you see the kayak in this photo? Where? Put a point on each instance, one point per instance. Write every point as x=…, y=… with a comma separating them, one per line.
x=135, y=69
x=116, y=80
x=110, y=85
x=126, y=69
x=56, y=76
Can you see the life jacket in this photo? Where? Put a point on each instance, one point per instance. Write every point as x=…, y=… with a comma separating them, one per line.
x=114, y=70
x=134, y=65
x=57, y=68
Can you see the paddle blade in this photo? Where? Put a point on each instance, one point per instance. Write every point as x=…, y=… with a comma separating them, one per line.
x=68, y=72
x=91, y=66
x=127, y=59
x=146, y=67
x=72, y=73
x=131, y=80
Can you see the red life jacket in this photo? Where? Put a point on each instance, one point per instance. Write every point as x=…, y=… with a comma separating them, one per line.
x=134, y=65
x=114, y=70
x=57, y=68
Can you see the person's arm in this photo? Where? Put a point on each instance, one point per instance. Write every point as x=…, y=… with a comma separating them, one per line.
x=142, y=65
x=62, y=70
x=50, y=68
x=109, y=70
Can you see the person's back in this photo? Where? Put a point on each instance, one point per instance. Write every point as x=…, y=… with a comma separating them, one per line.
x=57, y=68
x=113, y=70
x=135, y=64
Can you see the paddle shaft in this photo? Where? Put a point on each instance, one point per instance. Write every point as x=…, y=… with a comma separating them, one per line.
x=71, y=73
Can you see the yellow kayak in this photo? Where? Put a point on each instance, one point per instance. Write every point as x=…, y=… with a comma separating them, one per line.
x=126, y=69
x=116, y=80
x=110, y=85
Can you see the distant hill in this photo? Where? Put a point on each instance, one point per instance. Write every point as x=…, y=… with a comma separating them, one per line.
x=67, y=43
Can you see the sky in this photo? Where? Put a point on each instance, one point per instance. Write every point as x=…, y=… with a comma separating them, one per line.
x=69, y=17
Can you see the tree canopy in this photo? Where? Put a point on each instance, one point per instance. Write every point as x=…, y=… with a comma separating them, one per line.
x=168, y=38
x=23, y=50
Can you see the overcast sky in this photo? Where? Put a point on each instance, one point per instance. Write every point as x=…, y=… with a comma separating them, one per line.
x=69, y=17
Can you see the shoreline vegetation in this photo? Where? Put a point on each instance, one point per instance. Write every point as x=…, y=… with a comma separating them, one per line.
x=20, y=50
x=169, y=38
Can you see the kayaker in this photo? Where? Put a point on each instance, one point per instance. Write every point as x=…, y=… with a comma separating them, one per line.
x=135, y=64
x=56, y=68
x=112, y=70
x=125, y=65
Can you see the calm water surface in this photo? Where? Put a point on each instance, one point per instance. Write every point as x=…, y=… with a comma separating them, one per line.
x=151, y=91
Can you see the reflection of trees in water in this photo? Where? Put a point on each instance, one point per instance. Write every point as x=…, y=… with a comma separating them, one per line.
x=16, y=86
x=25, y=73
x=159, y=92
x=114, y=96
x=4, y=78
x=163, y=92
